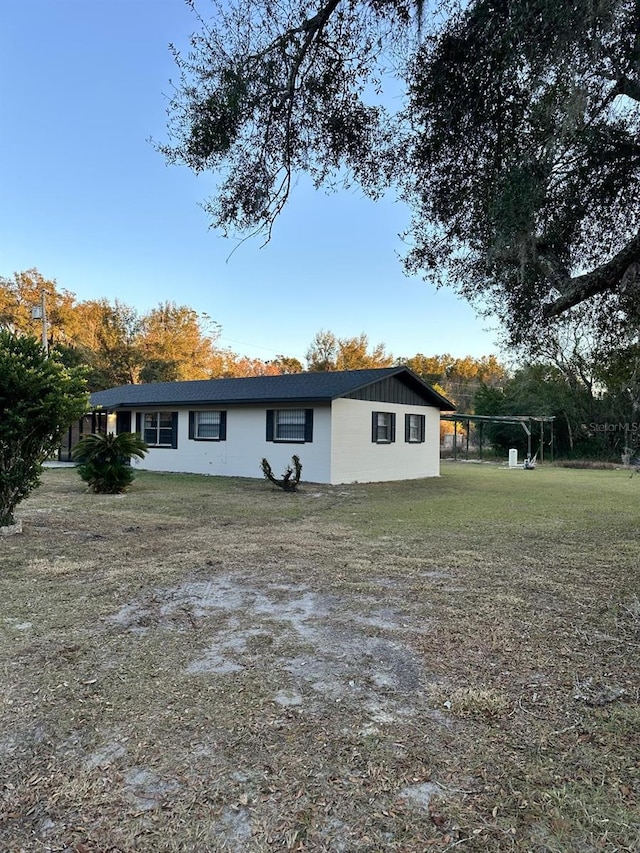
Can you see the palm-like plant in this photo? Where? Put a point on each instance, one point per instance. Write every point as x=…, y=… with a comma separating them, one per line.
x=105, y=460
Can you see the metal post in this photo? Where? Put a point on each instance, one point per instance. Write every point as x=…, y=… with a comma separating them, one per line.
x=527, y=429
x=468, y=429
x=39, y=312
x=480, y=426
x=45, y=329
x=455, y=441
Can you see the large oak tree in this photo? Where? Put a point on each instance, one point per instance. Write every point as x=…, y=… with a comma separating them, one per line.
x=517, y=144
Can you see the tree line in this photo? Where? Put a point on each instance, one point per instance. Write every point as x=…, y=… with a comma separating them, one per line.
x=118, y=345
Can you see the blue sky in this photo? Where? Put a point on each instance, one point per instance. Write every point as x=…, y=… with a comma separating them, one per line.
x=86, y=199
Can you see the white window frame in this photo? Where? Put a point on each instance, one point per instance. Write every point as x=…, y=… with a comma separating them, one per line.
x=158, y=416
x=415, y=428
x=283, y=418
x=383, y=427
x=215, y=423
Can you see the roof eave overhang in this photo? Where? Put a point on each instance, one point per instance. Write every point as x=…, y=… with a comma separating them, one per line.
x=164, y=404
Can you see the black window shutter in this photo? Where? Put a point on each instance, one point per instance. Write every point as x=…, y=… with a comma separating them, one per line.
x=374, y=426
x=174, y=430
x=393, y=426
x=407, y=427
x=308, y=425
x=270, y=424
x=422, y=427
x=223, y=426
x=192, y=424
x=139, y=423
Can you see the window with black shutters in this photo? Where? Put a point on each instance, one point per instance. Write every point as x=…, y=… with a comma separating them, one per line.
x=414, y=428
x=290, y=425
x=209, y=425
x=383, y=427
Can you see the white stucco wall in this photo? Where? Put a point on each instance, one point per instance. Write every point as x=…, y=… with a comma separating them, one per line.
x=341, y=450
x=355, y=458
x=245, y=446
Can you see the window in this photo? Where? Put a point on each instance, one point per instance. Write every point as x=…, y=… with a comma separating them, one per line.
x=414, y=429
x=292, y=425
x=158, y=429
x=208, y=426
x=383, y=427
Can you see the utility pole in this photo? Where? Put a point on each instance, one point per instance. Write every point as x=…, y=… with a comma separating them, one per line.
x=45, y=326
x=39, y=312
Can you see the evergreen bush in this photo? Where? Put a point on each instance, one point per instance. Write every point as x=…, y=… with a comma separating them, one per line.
x=39, y=399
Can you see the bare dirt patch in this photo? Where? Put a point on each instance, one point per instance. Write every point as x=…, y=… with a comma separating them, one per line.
x=318, y=648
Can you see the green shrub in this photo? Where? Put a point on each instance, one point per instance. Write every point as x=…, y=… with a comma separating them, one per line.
x=105, y=460
x=39, y=399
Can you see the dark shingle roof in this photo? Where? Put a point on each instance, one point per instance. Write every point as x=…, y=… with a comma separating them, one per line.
x=294, y=387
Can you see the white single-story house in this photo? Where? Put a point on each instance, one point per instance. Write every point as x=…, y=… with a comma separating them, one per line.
x=346, y=426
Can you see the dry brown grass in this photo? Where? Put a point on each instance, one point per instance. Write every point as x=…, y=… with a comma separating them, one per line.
x=212, y=665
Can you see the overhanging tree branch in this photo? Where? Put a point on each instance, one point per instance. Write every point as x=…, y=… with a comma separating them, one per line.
x=519, y=164
x=630, y=88
x=605, y=278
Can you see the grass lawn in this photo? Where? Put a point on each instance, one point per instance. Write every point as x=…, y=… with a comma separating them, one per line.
x=208, y=664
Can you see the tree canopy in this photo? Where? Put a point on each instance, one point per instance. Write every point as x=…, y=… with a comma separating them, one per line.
x=458, y=379
x=119, y=345
x=328, y=352
x=516, y=145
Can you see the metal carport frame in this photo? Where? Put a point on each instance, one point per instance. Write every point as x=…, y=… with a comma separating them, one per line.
x=525, y=421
